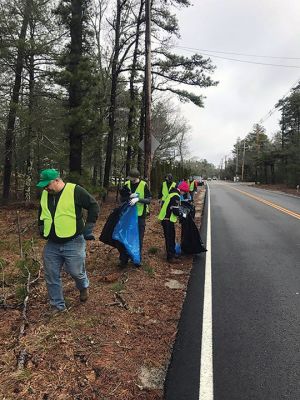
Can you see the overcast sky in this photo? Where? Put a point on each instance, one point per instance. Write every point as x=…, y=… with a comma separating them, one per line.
x=246, y=92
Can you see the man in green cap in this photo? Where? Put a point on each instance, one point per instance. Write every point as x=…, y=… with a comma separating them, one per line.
x=61, y=223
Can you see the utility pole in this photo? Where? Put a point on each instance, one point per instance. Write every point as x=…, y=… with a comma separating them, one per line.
x=283, y=127
x=221, y=169
x=147, y=137
x=237, y=158
x=257, y=152
x=243, y=164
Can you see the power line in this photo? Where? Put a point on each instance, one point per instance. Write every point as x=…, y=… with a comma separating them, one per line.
x=208, y=53
x=244, y=61
x=271, y=112
x=252, y=62
x=238, y=54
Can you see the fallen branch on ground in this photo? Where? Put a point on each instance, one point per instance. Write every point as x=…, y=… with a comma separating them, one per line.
x=22, y=357
x=23, y=353
x=119, y=302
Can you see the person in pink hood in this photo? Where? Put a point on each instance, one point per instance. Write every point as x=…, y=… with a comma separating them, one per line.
x=184, y=191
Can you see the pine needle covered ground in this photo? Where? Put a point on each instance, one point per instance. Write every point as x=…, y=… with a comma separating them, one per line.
x=117, y=345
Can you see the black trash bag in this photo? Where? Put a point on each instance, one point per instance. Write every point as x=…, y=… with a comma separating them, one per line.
x=108, y=229
x=109, y=226
x=187, y=207
x=191, y=242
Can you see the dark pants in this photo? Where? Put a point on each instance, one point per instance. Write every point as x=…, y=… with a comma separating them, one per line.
x=123, y=254
x=169, y=233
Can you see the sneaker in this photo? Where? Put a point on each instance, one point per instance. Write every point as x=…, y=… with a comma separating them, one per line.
x=54, y=311
x=84, y=294
x=60, y=311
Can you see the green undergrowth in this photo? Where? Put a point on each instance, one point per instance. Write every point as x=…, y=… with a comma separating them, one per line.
x=149, y=270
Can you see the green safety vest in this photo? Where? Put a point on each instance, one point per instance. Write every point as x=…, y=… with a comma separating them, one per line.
x=165, y=190
x=141, y=191
x=192, y=186
x=163, y=210
x=65, y=214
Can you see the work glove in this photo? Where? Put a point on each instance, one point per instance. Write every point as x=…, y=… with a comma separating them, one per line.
x=88, y=231
x=182, y=215
x=133, y=201
x=134, y=195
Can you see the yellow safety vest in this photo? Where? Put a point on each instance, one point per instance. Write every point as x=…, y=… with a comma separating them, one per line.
x=192, y=186
x=165, y=190
x=163, y=211
x=141, y=191
x=65, y=214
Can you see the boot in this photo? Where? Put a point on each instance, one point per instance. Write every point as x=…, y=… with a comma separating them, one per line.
x=84, y=294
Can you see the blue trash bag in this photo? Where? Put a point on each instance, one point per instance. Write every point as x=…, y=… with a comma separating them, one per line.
x=127, y=232
x=178, y=249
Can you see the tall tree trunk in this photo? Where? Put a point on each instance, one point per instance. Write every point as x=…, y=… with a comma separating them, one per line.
x=272, y=173
x=95, y=173
x=15, y=167
x=147, y=138
x=113, y=97
x=30, y=138
x=266, y=173
x=141, y=135
x=10, y=129
x=101, y=170
x=115, y=171
x=102, y=91
x=100, y=152
x=75, y=87
x=132, y=109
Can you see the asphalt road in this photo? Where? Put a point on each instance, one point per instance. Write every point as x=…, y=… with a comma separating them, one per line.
x=255, y=292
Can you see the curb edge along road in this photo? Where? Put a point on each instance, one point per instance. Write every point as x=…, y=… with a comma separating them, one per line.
x=183, y=374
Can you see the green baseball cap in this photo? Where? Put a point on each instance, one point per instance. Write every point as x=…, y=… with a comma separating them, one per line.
x=47, y=176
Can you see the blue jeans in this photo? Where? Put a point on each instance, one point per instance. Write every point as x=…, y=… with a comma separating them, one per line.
x=72, y=255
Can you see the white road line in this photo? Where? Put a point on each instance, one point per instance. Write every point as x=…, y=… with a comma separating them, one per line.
x=206, y=390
